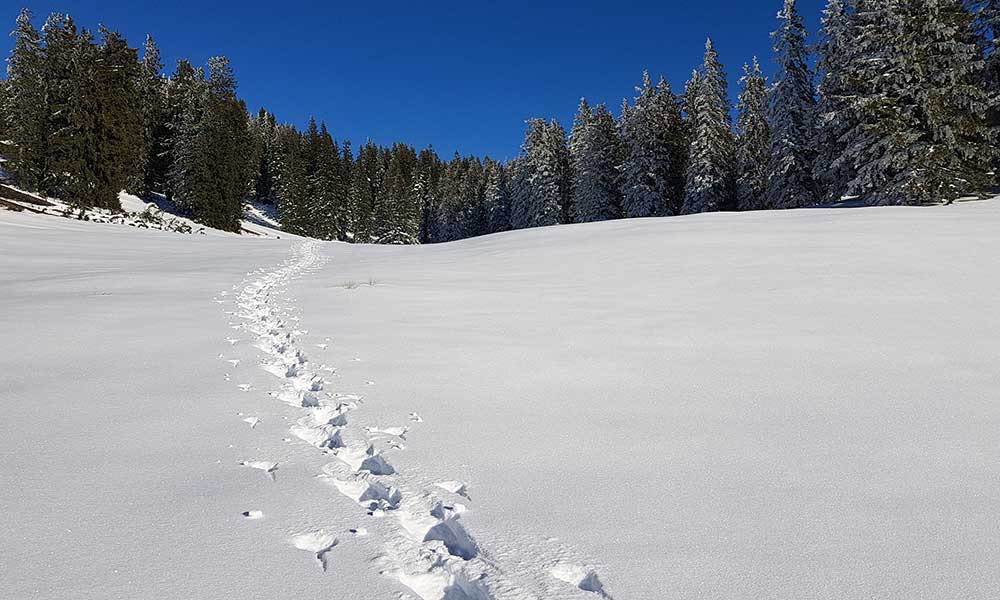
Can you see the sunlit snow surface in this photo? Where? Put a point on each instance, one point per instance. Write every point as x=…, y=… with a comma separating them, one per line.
x=798, y=404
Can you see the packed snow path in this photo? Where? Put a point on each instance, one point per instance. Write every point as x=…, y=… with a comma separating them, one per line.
x=427, y=548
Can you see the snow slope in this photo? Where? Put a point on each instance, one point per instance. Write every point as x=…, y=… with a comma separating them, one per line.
x=796, y=404
x=158, y=213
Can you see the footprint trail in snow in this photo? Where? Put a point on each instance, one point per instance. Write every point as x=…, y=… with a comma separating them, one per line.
x=427, y=547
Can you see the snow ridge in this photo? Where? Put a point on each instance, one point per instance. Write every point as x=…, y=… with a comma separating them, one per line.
x=427, y=546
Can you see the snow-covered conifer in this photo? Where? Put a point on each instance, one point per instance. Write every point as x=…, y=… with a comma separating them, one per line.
x=752, y=140
x=834, y=117
x=593, y=147
x=791, y=116
x=710, y=174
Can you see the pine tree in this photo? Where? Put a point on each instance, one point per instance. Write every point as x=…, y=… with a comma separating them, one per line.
x=6, y=112
x=425, y=192
x=987, y=28
x=752, y=140
x=211, y=167
x=543, y=195
x=921, y=133
x=496, y=197
x=345, y=217
x=94, y=124
x=365, y=185
x=27, y=125
x=474, y=200
x=689, y=105
x=71, y=105
x=520, y=192
x=398, y=213
x=710, y=178
x=834, y=118
x=152, y=89
x=648, y=130
x=593, y=148
x=264, y=136
x=117, y=164
x=791, y=117
x=184, y=106
x=288, y=172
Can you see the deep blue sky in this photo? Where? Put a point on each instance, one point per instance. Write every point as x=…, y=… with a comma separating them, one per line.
x=459, y=75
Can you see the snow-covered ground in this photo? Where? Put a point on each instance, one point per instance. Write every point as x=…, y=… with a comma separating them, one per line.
x=796, y=404
x=156, y=213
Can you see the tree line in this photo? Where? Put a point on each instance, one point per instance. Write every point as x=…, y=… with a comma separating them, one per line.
x=896, y=103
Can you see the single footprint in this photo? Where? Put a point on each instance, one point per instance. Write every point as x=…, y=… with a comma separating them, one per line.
x=318, y=542
x=267, y=467
x=458, y=488
x=582, y=577
x=365, y=459
x=399, y=432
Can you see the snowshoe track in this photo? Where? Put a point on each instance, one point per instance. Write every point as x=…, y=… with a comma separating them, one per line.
x=428, y=549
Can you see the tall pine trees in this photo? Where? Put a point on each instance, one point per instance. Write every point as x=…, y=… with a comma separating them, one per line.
x=542, y=192
x=752, y=140
x=920, y=132
x=593, y=147
x=654, y=151
x=211, y=167
x=834, y=117
x=710, y=175
x=792, y=110
x=152, y=89
x=27, y=121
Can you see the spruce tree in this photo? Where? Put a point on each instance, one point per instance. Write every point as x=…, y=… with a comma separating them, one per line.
x=70, y=105
x=834, y=117
x=791, y=117
x=474, y=196
x=987, y=28
x=6, y=112
x=184, y=106
x=288, y=172
x=211, y=167
x=425, y=192
x=152, y=89
x=496, y=197
x=921, y=130
x=520, y=192
x=264, y=136
x=752, y=140
x=404, y=203
x=710, y=174
x=650, y=130
x=594, y=151
x=365, y=188
x=117, y=163
x=544, y=195
x=27, y=125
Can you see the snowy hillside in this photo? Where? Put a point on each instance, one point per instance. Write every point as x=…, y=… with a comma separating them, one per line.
x=159, y=214
x=793, y=404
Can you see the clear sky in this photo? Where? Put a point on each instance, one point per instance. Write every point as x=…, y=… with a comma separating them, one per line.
x=456, y=75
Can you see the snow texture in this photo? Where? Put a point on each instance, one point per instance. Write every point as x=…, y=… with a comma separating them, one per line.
x=793, y=404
